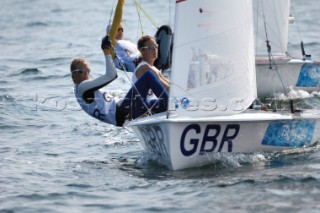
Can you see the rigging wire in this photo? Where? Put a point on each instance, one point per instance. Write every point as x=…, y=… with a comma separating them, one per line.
x=132, y=84
x=271, y=58
x=123, y=65
x=294, y=11
x=301, y=41
x=149, y=111
x=140, y=8
x=110, y=18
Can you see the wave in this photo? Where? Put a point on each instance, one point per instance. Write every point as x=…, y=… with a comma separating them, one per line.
x=223, y=162
x=19, y=126
x=30, y=71
x=3, y=66
x=37, y=24
x=5, y=90
x=272, y=180
x=307, y=44
x=295, y=94
x=29, y=74
x=6, y=97
x=300, y=99
x=26, y=71
x=39, y=78
x=63, y=59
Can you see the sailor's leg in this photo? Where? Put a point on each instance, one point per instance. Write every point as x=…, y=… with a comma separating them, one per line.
x=135, y=101
x=153, y=83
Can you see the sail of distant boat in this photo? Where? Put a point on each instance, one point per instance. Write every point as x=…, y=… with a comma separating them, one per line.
x=271, y=22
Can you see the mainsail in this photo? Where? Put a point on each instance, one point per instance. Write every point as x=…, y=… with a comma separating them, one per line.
x=213, y=70
x=271, y=18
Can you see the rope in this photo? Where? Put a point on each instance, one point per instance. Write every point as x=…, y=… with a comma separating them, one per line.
x=139, y=8
x=294, y=11
x=111, y=13
x=123, y=64
x=140, y=22
x=146, y=14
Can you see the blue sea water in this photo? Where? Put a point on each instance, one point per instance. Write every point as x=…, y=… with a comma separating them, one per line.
x=55, y=158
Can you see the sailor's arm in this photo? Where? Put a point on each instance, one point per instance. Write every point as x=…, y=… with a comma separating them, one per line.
x=116, y=23
x=144, y=68
x=87, y=88
x=164, y=81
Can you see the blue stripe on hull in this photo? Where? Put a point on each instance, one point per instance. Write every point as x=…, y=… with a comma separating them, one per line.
x=289, y=133
x=309, y=76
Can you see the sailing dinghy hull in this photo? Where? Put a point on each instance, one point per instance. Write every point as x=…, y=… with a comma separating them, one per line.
x=288, y=74
x=271, y=35
x=182, y=143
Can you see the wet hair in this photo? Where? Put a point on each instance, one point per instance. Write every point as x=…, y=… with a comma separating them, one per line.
x=143, y=40
x=76, y=63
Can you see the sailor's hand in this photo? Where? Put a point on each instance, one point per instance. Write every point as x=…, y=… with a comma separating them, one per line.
x=106, y=43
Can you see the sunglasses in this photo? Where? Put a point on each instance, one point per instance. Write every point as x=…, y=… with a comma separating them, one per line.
x=79, y=71
x=120, y=29
x=149, y=47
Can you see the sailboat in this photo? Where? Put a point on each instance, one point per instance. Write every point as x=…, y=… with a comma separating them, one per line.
x=213, y=84
x=277, y=71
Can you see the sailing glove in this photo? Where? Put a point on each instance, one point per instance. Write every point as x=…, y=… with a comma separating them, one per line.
x=106, y=42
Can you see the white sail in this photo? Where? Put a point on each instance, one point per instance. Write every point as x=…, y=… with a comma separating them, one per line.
x=271, y=17
x=213, y=70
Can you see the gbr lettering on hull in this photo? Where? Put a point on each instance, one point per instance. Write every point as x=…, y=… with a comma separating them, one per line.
x=208, y=140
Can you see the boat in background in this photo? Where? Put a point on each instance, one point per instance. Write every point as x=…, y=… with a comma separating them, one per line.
x=213, y=84
x=277, y=71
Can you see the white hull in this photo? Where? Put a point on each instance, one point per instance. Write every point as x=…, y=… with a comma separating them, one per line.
x=294, y=73
x=184, y=143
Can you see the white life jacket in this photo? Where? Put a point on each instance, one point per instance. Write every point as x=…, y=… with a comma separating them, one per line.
x=103, y=106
